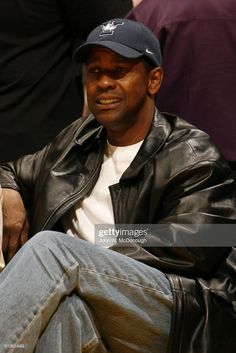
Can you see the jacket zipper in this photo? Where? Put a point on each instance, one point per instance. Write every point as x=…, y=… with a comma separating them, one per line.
x=66, y=205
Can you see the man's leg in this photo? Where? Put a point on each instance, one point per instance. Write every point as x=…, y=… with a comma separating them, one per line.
x=71, y=329
x=129, y=302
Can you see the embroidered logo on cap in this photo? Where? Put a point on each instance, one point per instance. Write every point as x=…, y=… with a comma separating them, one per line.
x=109, y=28
x=149, y=52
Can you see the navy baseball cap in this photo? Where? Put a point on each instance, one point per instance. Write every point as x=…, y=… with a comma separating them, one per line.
x=127, y=38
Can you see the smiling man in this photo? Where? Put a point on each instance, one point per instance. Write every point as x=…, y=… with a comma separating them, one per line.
x=117, y=94
x=130, y=165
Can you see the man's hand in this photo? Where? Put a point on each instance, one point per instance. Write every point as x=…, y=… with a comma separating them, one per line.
x=15, y=222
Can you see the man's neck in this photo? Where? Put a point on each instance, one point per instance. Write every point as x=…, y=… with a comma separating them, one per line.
x=132, y=134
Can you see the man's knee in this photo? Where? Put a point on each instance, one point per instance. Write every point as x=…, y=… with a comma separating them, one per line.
x=45, y=238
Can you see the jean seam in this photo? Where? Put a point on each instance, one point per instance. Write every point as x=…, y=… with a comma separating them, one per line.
x=91, y=344
x=125, y=281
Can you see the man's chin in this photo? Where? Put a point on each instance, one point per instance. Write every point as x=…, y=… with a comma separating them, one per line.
x=107, y=118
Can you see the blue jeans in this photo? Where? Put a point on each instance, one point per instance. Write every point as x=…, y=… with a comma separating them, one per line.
x=64, y=295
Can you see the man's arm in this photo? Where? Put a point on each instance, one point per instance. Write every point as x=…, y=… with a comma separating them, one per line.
x=15, y=222
x=18, y=180
x=23, y=176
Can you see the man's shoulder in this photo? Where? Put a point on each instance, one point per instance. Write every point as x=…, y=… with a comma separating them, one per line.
x=186, y=145
x=181, y=131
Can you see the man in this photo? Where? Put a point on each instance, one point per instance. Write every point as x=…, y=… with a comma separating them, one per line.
x=198, y=40
x=126, y=164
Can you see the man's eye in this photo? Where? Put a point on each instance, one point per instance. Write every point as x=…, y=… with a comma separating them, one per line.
x=121, y=69
x=119, y=72
x=93, y=70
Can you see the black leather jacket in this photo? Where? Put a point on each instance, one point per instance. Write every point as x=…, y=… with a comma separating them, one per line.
x=177, y=177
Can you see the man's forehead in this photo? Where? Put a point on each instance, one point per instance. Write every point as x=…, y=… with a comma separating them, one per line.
x=97, y=52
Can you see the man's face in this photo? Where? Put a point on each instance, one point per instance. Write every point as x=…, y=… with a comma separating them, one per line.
x=117, y=90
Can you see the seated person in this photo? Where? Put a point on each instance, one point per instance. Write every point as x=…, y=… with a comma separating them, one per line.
x=126, y=164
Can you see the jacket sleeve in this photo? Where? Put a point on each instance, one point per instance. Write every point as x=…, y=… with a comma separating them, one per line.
x=195, y=201
x=21, y=174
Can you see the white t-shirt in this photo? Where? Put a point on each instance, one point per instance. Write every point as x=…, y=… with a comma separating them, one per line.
x=96, y=208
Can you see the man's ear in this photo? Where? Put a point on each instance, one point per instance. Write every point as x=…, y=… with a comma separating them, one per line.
x=155, y=80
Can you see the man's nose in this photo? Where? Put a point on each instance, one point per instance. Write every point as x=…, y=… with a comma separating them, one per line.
x=105, y=81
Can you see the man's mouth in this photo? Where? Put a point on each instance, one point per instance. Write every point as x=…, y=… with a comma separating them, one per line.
x=108, y=101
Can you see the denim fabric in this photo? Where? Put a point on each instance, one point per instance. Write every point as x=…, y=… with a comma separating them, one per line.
x=61, y=295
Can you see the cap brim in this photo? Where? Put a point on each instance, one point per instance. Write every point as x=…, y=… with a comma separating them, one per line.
x=81, y=52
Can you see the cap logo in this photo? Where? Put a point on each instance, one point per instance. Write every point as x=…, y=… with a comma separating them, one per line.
x=149, y=52
x=109, y=28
